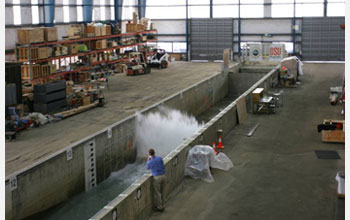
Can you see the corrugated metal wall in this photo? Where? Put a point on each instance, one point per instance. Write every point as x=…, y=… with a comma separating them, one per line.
x=209, y=37
x=323, y=39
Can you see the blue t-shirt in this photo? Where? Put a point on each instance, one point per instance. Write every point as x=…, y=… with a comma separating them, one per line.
x=156, y=165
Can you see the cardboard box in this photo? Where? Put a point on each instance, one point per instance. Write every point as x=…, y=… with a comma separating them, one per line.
x=334, y=136
x=73, y=48
x=30, y=35
x=50, y=34
x=86, y=100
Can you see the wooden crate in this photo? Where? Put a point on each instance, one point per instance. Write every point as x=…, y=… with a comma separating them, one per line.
x=23, y=56
x=53, y=68
x=56, y=51
x=45, y=70
x=50, y=34
x=140, y=27
x=108, y=30
x=335, y=136
x=86, y=100
x=36, y=72
x=98, y=44
x=90, y=31
x=35, y=53
x=103, y=44
x=73, y=48
x=130, y=28
x=103, y=30
x=98, y=31
x=30, y=35
x=44, y=52
x=74, y=31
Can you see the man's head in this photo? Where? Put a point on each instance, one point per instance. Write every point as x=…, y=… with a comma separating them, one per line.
x=151, y=152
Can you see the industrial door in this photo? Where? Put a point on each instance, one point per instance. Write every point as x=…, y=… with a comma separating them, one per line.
x=209, y=37
x=323, y=39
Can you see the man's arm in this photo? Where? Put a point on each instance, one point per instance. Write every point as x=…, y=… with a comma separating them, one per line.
x=148, y=165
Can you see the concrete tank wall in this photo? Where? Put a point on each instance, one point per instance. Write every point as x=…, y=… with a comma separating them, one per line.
x=136, y=201
x=57, y=178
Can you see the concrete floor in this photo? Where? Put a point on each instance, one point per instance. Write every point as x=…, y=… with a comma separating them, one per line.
x=126, y=96
x=276, y=173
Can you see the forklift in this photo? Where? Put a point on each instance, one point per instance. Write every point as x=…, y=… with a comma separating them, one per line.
x=137, y=64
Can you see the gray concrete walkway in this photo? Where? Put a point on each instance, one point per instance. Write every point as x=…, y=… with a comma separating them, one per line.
x=127, y=95
x=276, y=173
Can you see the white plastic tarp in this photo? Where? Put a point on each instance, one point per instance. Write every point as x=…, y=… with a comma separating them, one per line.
x=199, y=160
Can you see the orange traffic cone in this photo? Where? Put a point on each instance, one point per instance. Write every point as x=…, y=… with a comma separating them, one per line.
x=214, y=147
x=220, y=146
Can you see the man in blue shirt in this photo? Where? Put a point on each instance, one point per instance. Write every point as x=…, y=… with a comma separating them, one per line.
x=156, y=164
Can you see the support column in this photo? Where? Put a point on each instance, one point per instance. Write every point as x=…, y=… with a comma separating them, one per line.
x=141, y=6
x=187, y=38
x=211, y=8
x=87, y=11
x=49, y=12
x=118, y=9
x=267, y=9
x=293, y=27
x=325, y=8
x=239, y=29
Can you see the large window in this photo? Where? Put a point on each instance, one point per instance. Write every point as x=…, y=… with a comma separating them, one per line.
x=102, y=10
x=335, y=9
x=252, y=11
x=165, y=2
x=199, y=11
x=17, y=20
x=228, y=11
x=282, y=10
x=309, y=10
x=129, y=6
x=66, y=11
x=170, y=47
x=166, y=12
x=35, y=12
x=79, y=10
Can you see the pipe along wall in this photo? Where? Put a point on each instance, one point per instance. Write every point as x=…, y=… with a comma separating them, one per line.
x=83, y=165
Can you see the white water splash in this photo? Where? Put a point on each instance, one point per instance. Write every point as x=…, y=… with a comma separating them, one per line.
x=163, y=131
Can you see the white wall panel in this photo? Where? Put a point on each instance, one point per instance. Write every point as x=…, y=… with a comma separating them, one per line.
x=266, y=26
x=8, y=15
x=170, y=26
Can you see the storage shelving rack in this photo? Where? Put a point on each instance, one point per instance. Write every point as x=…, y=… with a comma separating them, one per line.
x=90, y=65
